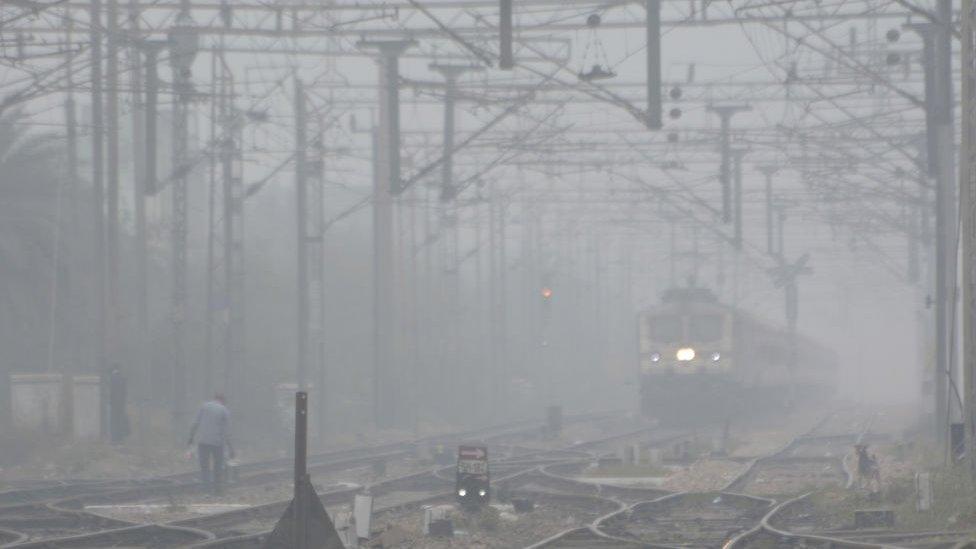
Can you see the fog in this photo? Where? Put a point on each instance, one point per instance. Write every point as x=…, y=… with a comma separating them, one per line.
x=481, y=285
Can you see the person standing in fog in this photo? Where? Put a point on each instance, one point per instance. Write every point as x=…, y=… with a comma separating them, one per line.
x=211, y=428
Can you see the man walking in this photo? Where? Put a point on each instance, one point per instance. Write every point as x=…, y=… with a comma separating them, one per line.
x=212, y=431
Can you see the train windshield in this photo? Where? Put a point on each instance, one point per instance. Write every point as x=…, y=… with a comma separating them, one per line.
x=705, y=327
x=665, y=329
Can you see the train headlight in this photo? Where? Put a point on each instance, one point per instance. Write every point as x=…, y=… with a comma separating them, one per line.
x=482, y=492
x=655, y=357
x=685, y=354
x=716, y=356
x=462, y=492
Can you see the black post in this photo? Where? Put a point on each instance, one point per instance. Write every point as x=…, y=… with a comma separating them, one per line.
x=301, y=473
x=301, y=436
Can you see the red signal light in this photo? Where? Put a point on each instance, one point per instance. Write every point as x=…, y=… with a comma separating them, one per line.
x=546, y=293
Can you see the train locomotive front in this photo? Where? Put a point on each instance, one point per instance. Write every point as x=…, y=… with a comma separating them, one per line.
x=701, y=361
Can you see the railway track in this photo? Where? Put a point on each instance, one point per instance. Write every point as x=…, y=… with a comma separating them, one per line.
x=398, y=499
x=605, y=515
x=46, y=518
x=741, y=515
x=688, y=519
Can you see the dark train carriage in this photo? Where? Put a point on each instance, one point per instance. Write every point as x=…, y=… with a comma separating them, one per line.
x=702, y=360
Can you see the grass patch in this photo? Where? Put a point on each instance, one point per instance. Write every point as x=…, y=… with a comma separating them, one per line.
x=953, y=508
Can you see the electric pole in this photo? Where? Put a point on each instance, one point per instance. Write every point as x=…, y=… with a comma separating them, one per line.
x=768, y=172
x=936, y=39
x=506, y=58
x=967, y=187
x=98, y=197
x=143, y=354
x=725, y=113
x=737, y=156
x=386, y=187
x=112, y=157
x=653, y=35
x=301, y=199
x=184, y=45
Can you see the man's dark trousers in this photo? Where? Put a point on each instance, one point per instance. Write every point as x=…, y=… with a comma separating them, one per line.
x=215, y=475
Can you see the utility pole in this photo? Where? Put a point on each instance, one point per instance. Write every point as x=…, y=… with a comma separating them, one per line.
x=725, y=113
x=653, y=35
x=785, y=276
x=315, y=241
x=301, y=198
x=150, y=184
x=232, y=193
x=780, y=228
x=217, y=96
x=142, y=354
x=737, y=156
x=768, y=171
x=451, y=73
x=310, y=254
x=71, y=123
x=450, y=214
x=936, y=39
x=946, y=177
x=506, y=58
x=184, y=45
x=967, y=187
x=112, y=157
x=386, y=187
x=98, y=196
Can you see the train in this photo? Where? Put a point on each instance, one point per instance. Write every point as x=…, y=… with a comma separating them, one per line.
x=472, y=481
x=701, y=360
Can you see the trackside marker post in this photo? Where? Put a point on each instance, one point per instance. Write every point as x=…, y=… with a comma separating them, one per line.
x=305, y=524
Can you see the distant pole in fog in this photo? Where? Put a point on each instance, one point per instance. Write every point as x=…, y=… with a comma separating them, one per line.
x=451, y=218
x=725, y=113
x=71, y=117
x=653, y=53
x=768, y=172
x=937, y=54
x=183, y=44
x=301, y=192
x=315, y=171
x=113, y=319
x=233, y=194
x=737, y=156
x=967, y=185
x=387, y=184
x=216, y=106
x=142, y=364
x=310, y=231
x=98, y=199
x=506, y=58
